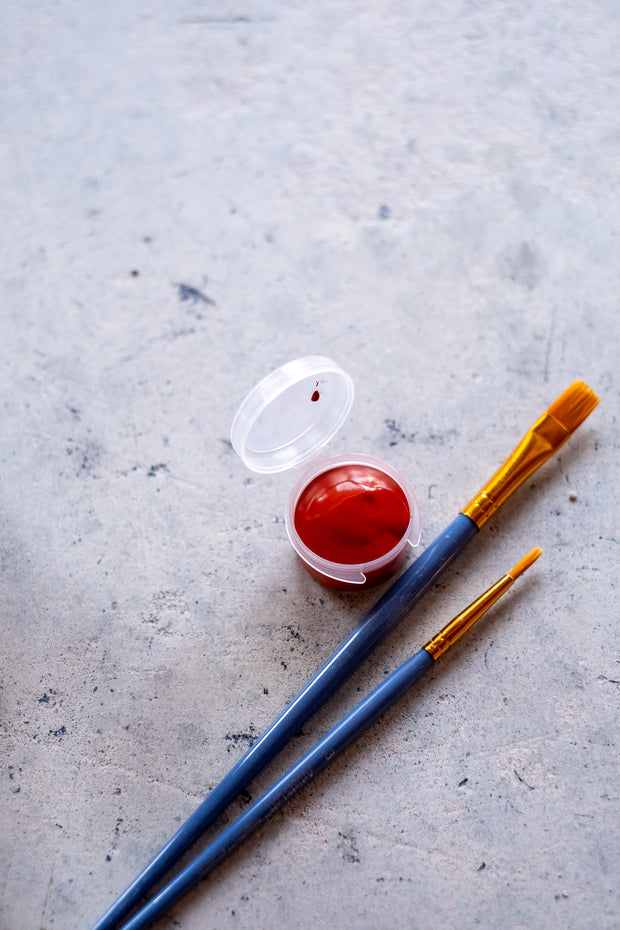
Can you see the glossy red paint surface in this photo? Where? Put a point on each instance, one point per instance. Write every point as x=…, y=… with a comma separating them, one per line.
x=352, y=513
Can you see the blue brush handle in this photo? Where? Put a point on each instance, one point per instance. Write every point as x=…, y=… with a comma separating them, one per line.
x=308, y=766
x=384, y=616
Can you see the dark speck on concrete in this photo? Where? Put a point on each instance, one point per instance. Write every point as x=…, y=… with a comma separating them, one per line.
x=186, y=292
x=426, y=439
x=383, y=212
x=248, y=738
x=155, y=469
x=348, y=848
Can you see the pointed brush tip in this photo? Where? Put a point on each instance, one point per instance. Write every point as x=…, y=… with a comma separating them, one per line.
x=525, y=563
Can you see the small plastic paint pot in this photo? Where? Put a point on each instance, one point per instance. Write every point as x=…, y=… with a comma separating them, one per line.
x=351, y=518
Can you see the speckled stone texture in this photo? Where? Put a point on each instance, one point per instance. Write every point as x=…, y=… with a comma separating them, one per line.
x=193, y=193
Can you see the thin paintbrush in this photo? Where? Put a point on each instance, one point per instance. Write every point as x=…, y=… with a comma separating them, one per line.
x=349, y=728
x=545, y=437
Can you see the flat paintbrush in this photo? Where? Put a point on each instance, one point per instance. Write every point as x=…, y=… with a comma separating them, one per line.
x=349, y=728
x=544, y=438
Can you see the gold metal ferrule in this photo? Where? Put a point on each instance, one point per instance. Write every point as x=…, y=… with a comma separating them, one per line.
x=455, y=629
x=538, y=444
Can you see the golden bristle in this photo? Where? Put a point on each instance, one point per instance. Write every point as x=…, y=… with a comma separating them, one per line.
x=573, y=406
x=525, y=563
x=453, y=631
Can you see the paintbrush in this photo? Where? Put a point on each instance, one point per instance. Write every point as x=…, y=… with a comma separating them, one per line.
x=349, y=728
x=542, y=441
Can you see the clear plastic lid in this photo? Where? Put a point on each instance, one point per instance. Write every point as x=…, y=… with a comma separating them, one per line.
x=291, y=414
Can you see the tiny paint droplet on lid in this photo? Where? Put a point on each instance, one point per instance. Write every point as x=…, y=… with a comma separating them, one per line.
x=315, y=397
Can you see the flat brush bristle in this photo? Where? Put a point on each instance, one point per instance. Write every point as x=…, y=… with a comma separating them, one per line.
x=525, y=563
x=573, y=406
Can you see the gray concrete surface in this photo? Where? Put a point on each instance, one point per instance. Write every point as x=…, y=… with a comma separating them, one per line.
x=192, y=194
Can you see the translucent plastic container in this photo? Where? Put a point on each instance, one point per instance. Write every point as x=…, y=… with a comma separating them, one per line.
x=351, y=518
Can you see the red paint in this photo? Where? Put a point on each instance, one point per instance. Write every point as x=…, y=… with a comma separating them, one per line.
x=352, y=513
x=315, y=396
